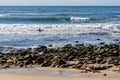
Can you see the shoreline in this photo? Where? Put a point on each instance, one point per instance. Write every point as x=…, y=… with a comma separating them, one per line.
x=82, y=76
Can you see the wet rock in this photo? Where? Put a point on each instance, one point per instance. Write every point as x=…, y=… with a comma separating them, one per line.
x=78, y=66
x=29, y=50
x=61, y=62
x=84, y=66
x=52, y=50
x=69, y=64
x=91, y=62
x=50, y=45
x=28, y=56
x=22, y=51
x=5, y=66
x=98, y=39
x=28, y=62
x=10, y=61
x=40, y=49
x=116, y=39
x=116, y=62
x=21, y=64
x=100, y=67
x=39, y=60
x=2, y=61
x=67, y=46
x=88, y=57
x=76, y=41
x=102, y=43
x=46, y=63
x=58, y=63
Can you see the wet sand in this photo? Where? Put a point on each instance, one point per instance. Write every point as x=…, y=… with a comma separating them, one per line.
x=54, y=74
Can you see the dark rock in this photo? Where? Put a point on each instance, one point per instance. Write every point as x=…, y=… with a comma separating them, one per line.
x=22, y=51
x=10, y=61
x=46, y=63
x=58, y=63
x=102, y=43
x=40, y=49
x=2, y=61
x=116, y=39
x=76, y=41
x=20, y=58
x=61, y=62
x=67, y=46
x=29, y=50
x=98, y=39
x=5, y=66
x=77, y=66
x=50, y=45
x=21, y=65
x=28, y=56
x=100, y=67
x=39, y=60
x=29, y=61
x=105, y=74
x=84, y=57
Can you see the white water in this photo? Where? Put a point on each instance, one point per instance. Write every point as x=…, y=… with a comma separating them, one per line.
x=4, y=15
x=79, y=19
x=27, y=35
x=66, y=29
x=118, y=15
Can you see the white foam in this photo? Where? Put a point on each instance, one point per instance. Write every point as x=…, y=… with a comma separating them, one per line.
x=4, y=15
x=60, y=29
x=118, y=15
x=79, y=19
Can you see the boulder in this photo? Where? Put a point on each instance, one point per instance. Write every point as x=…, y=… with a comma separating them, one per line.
x=46, y=63
x=39, y=60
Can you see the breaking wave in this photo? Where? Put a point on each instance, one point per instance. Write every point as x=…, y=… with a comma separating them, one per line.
x=77, y=19
x=61, y=29
x=4, y=15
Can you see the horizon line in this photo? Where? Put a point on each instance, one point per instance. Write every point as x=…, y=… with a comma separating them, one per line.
x=56, y=5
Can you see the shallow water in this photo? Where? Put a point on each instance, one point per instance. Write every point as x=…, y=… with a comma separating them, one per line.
x=59, y=25
x=24, y=35
x=37, y=72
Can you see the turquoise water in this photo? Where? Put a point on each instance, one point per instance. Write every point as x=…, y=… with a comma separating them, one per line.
x=19, y=25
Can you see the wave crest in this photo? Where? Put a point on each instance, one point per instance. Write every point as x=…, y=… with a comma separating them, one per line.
x=4, y=15
x=79, y=19
x=63, y=18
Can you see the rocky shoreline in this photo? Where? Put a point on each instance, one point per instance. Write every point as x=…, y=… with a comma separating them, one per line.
x=89, y=58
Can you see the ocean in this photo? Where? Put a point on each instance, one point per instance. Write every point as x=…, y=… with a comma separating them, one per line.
x=23, y=26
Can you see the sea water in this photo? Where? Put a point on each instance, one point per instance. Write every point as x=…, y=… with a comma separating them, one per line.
x=23, y=26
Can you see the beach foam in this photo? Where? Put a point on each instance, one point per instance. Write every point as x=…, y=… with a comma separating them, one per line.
x=61, y=29
x=79, y=19
x=4, y=15
x=28, y=35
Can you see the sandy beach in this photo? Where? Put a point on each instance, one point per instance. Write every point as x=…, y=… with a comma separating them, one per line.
x=5, y=75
